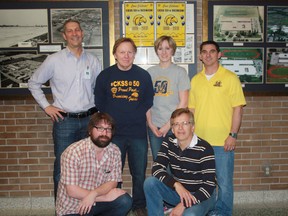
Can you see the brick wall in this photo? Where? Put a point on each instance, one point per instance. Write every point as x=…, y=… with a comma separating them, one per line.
x=26, y=147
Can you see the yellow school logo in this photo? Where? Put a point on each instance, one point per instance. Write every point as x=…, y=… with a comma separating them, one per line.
x=139, y=19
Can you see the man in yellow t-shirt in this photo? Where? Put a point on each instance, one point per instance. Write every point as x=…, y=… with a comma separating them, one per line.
x=216, y=98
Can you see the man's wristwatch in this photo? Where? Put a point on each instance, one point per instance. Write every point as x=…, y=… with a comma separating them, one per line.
x=234, y=135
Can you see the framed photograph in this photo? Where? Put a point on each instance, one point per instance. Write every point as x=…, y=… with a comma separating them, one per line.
x=277, y=24
x=17, y=67
x=247, y=63
x=91, y=23
x=28, y=31
x=238, y=23
x=277, y=65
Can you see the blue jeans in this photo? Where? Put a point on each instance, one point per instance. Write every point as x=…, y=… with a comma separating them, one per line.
x=66, y=132
x=157, y=192
x=137, y=160
x=118, y=207
x=156, y=142
x=224, y=173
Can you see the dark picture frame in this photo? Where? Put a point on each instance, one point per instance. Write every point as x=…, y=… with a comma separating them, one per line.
x=87, y=12
x=278, y=83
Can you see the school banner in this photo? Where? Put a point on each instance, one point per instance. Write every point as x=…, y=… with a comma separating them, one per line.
x=171, y=20
x=139, y=22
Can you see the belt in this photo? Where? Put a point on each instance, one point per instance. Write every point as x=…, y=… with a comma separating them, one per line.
x=89, y=112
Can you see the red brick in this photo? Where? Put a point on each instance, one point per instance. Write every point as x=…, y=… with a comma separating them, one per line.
x=14, y=115
x=26, y=121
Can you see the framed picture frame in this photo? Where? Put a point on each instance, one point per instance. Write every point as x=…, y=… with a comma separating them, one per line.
x=251, y=26
x=28, y=41
x=246, y=62
x=26, y=31
x=17, y=66
x=277, y=65
x=277, y=24
x=238, y=23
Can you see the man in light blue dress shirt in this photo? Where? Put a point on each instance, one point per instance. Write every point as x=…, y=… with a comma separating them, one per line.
x=72, y=75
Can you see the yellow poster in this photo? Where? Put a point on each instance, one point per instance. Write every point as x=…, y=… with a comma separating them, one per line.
x=171, y=20
x=139, y=22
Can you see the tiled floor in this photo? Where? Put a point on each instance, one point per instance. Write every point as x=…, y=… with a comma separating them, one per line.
x=280, y=209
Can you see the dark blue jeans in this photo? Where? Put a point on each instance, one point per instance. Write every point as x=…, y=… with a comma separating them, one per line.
x=137, y=150
x=157, y=193
x=66, y=132
x=224, y=161
x=118, y=207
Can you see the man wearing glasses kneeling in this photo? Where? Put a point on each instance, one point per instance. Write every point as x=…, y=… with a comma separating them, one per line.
x=190, y=188
x=90, y=171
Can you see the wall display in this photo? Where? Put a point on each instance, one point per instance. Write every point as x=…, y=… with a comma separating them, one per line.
x=253, y=37
x=277, y=65
x=247, y=63
x=30, y=31
x=19, y=28
x=277, y=24
x=144, y=22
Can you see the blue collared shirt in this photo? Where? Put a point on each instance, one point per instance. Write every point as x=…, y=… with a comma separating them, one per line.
x=72, y=80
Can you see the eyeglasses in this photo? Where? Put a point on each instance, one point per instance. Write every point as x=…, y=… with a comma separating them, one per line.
x=102, y=129
x=182, y=124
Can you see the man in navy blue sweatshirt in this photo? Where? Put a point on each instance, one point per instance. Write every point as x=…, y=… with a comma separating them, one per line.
x=125, y=91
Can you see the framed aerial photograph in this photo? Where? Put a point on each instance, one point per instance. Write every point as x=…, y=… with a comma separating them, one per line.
x=277, y=65
x=27, y=31
x=277, y=24
x=247, y=63
x=91, y=23
x=17, y=67
x=238, y=23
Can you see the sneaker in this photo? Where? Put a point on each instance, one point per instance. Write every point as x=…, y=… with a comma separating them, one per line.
x=140, y=212
x=167, y=210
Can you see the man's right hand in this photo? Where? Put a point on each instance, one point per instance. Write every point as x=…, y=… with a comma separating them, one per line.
x=187, y=199
x=54, y=112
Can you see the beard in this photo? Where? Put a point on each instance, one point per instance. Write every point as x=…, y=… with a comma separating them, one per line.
x=101, y=141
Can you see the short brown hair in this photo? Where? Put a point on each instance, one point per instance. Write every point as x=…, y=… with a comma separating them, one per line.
x=69, y=21
x=98, y=117
x=181, y=111
x=170, y=41
x=210, y=43
x=122, y=40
